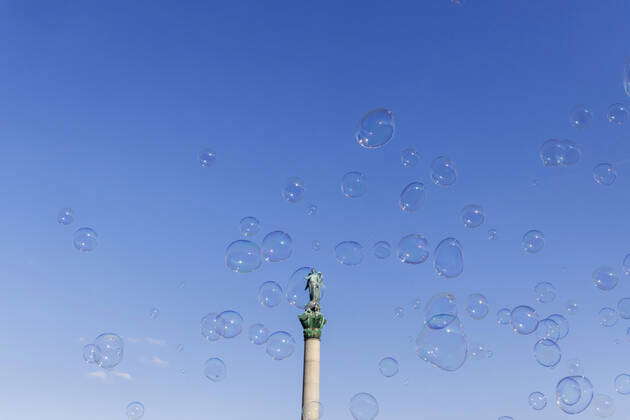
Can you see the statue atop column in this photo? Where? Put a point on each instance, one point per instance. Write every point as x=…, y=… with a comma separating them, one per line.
x=312, y=319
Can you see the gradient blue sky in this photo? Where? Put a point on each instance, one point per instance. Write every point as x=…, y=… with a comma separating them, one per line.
x=105, y=106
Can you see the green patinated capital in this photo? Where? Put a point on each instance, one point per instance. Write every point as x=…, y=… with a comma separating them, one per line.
x=312, y=322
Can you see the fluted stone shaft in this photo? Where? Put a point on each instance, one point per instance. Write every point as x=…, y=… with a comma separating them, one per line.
x=310, y=388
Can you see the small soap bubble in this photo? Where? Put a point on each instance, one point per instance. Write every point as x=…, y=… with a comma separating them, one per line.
x=243, y=256
x=270, y=294
x=109, y=350
x=277, y=246
x=545, y=292
x=524, y=320
x=533, y=241
x=409, y=157
x=622, y=384
x=280, y=345
x=363, y=406
x=249, y=226
x=605, y=278
x=625, y=264
x=478, y=351
x=443, y=171
x=472, y=216
x=211, y=326
x=580, y=116
x=413, y=249
x=618, y=114
x=608, y=317
x=85, y=239
x=65, y=216
x=215, y=369
x=504, y=316
x=311, y=210
x=603, y=405
x=623, y=308
x=388, y=367
x=575, y=368
x=316, y=245
x=547, y=352
x=154, y=313
x=399, y=312
x=562, y=323
x=376, y=128
x=353, y=185
x=232, y=323
x=572, y=307
x=492, y=234
x=180, y=348
x=89, y=353
x=477, y=306
x=626, y=77
x=207, y=157
x=135, y=410
x=382, y=250
x=412, y=197
x=574, y=394
x=537, y=400
x=293, y=190
x=349, y=253
x=548, y=329
x=604, y=174
x=258, y=334
x=448, y=258
x=417, y=303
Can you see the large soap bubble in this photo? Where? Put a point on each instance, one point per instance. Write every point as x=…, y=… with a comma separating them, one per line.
x=477, y=306
x=443, y=171
x=440, y=310
x=277, y=246
x=242, y=256
x=85, y=239
x=547, y=352
x=618, y=114
x=353, y=185
x=533, y=241
x=559, y=153
x=604, y=174
x=232, y=323
x=135, y=410
x=608, y=317
x=537, y=400
x=445, y=348
x=412, y=197
x=270, y=294
x=296, y=291
x=109, y=350
x=580, y=116
x=448, y=258
x=212, y=326
x=280, y=345
x=472, y=216
x=545, y=292
x=363, y=406
x=249, y=226
x=376, y=128
x=388, y=367
x=215, y=369
x=524, y=320
x=574, y=394
x=349, y=253
x=413, y=249
x=65, y=216
x=293, y=190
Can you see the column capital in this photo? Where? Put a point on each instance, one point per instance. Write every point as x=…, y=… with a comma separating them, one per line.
x=312, y=322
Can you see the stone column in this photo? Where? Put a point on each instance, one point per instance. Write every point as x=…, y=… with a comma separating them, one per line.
x=312, y=322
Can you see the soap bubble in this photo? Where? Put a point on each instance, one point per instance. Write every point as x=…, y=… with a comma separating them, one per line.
x=622, y=384
x=548, y=329
x=89, y=353
x=533, y=241
x=617, y=114
x=65, y=216
x=382, y=250
x=409, y=157
x=478, y=351
x=277, y=246
x=214, y=369
x=440, y=310
x=506, y=418
x=477, y=306
x=280, y=345
x=353, y=185
x=212, y=326
x=448, y=258
x=270, y=294
x=249, y=226
x=242, y=256
x=293, y=190
x=580, y=116
x=363, y=406
x=109, y=350
x=207, y=157
x=472, y=216
x=417, y=303
x=312, y=410
x=154, y=313
x=413, y=249
x=376, y=128
x=547, y=353
x=492, y=234
x=296, y=293
x=623, y=307
x=545, y=292
x=608, y=317
x=388, y=367
x=135, y=410
x=412, y=197
x=504, y=316
x=258, y=334
x=524, y=320
x=399, y=312
x=445, y=348
x=626, y=265
x=572, y=307
x=316, y=245
x=537, y=400
x=562, y=323
x=180, y=348
x=349, y=253
x=603, y=405
x=85, y=239
x=559, y=153
x=311, y=210
x=443, y=171
x=232, y=323
x=574, y=394
x=626, y=77
x=604, y=174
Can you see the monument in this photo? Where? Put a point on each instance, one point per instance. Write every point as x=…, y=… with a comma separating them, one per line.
x=312, y=322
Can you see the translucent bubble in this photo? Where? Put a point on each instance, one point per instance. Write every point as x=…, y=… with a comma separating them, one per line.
x=478, y=351
x=258, y=334
x=388, y=367
x=506, y=418
x=409, y=157
x=207, y=157
x=547, y=353
x=312, y=410
x=472, y=216
x=280, y=345
x=363, y=406
x=180, y=348
x=545, y=292
x=623, y=307
x=376, y=128
x=242, y=256
x=626, y=77
x=477, y=306
x=417, y=303
x=135, y=410
x=533, y=241
x=89, y=353
x=154, y=313
x=270, y=294
x=572, y=307
x=559, y=153
x=293, y=190
x=622, y=384
x=349, y=253
x=382, y=249
x=232, y=323
x=440, y=310
x=504, y=316
x=212, y=326
x=311, y=210
x=608, y=317
x=277, y=246
x=580, y=116
x=85, y=239
x=603, y=405
x=524, y=320
x=445, y=348
x=562, y=323
x=618, y=114
x=574, y=394
x=296, y=292
x=353, y=185
x=548, y=329
x=316, y=245
x=443, y=171
x=412, y=197
x=109, y=350
x=626, y=265
x=249, y=226
x=448, y=259
x=215, y=369
x=604, y=174
x=537, y=400
x=399, y=312
x=575, y=367
x=492, y=234
x=65, y=216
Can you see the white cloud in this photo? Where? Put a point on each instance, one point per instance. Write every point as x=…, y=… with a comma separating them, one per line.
x=123, y=375
x=100, y=374
x=159, y=362
x=108, y=377
x=155, y=341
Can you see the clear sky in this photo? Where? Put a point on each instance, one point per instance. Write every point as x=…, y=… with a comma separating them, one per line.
x=105, y=106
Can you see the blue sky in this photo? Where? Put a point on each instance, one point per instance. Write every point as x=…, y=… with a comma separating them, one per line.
x=106, y=105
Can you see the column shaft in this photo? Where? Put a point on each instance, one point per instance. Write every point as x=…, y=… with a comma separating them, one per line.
x=310, y=389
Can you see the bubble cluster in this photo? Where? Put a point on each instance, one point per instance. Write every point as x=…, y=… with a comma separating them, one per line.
x=545, y=292
x=559, y=153
x=443, y=171
x=574, y=394
x=349, y=253
x=243, y=256
x=409, y=157
x=472, y=216
x=270, y=294
x=280, y=345
x=580, y=116
x=277, y=246
x=388, y=367
x=65, y=216
x=448, y=258
x=85, y=239
x=215, y=369
x=376, y=128
x=413, y=249
x=249, y=226
x=135, y=410
x=382, y=250
x=363, y=406
x=477, y=306
x=412, y=197
x=604, y=174
x=618, y=114
x=353, y=185
x=293, y=190
x=533, y=241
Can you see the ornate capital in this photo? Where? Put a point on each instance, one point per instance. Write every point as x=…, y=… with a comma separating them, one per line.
x=312, y=322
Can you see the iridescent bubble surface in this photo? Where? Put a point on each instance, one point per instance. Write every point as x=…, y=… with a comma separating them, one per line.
x=232, y=323
x=504, y=316
x=445, y=347
x=277, y=246
x=412, y=197
x=537, y=400
x=559, y=153
x=413, y=249
x=623, y=308
x=562, y=322
x=603, y=405
x=448, y=258
x=207, y=157
x=243, y=256
x=89, y=353
x=622, y=384
x=109, y=350
x=258, y=334
x=353, y=185
x=376, y=128
x=349, y=253
x=212, y=326
x=548, y=329
x=440, y=310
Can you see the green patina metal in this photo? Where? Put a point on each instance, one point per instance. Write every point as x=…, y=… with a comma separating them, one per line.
x=312, y=322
